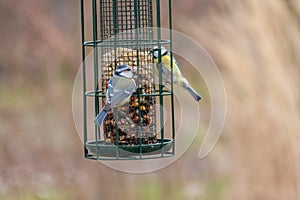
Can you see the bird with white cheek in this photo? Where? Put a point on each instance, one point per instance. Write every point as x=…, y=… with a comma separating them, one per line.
x=178, y=78
x=120, y=88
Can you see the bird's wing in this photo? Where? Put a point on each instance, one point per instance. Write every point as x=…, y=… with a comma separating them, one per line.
x=109, y=92
x=175, y=62
x=166, y=70
x=121, y=90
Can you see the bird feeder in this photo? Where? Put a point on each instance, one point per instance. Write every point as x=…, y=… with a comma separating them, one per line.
x=121, y=33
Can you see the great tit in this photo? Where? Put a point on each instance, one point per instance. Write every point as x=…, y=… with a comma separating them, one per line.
x=178, y=78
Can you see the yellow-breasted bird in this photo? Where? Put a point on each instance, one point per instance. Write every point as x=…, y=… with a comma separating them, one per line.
x=178, y=78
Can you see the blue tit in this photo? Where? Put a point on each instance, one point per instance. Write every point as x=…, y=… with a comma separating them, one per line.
x=178, y=78
x=120, y=88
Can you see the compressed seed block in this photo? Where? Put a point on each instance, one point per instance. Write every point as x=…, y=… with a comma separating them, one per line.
x=134, y=121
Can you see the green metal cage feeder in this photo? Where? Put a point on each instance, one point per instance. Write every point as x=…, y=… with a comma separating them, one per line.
x=121, y=33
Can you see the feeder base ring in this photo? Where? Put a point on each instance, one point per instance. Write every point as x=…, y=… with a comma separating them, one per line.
x=100, y=149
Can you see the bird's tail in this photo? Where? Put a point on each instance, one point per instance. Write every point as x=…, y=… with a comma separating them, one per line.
x=195, y=95
x=100, y=117
x=189, y=88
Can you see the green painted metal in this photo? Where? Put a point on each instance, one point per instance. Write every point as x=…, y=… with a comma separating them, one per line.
x=84, y=77
x=172, y=87
x=111, y=18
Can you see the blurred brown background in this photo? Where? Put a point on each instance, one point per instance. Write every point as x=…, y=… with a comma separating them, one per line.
x=256, y=45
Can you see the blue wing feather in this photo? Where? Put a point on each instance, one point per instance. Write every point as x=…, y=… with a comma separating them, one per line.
x=122, y=88
x=118, y=92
